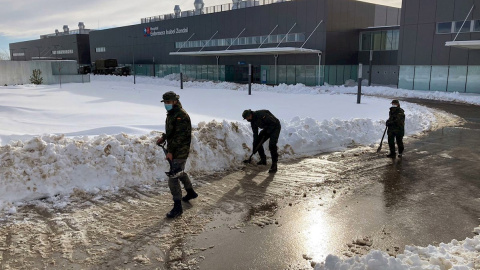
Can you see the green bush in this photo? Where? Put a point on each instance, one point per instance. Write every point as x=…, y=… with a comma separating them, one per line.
x=36, y=77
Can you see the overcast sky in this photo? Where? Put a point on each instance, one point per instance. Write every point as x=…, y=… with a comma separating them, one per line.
x=22, y=20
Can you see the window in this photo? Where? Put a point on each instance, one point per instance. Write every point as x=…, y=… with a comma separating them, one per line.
x=18, y=54
x=476, y=26
x=62, y=52
x=366, y=42
x=242, y=41
x=273, y=39
x=444, y=28
x=465, y=28
x=291, y=38
x=300, y=37
x=100, y=49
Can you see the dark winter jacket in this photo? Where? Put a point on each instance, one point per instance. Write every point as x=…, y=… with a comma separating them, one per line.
x=265, y=120
x=396, y=120
x=178, y=132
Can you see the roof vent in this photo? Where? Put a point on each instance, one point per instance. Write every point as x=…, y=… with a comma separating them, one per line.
x=57, y=32
x=177, y=11
x=81, y=26
x=65, y=29
x=198, y=6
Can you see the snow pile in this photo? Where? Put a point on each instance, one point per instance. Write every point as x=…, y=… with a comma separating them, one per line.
x=460, y=255
x=82, y=137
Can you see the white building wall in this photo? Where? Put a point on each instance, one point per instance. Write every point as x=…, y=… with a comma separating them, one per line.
x=19, y=72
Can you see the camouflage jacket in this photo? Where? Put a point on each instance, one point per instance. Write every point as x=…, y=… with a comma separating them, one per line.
x=178, y=132
x=396, y=120
x=265, y=120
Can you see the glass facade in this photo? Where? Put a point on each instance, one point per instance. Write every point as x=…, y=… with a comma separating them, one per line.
x=473, y=79
x=422, y=78
x=386, y=40
x=457, y=78
x=272, y=39
x=440, y=78
x=405, y=78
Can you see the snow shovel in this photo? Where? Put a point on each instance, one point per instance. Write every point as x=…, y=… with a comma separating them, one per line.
x=262, y=140
x=381, y=142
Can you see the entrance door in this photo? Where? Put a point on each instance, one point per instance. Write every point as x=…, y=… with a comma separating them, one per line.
x=239, y=73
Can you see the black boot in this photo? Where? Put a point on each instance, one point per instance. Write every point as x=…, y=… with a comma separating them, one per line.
x=263, y=161
x=176, y=211
x=391, y=155
x=191, y=194
x=273, y=169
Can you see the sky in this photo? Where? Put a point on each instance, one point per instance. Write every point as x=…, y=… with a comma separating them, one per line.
x=28, y=19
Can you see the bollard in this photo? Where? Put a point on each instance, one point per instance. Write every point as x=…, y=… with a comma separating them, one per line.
x=359, y=93
x=249, y=79
x=181, y=80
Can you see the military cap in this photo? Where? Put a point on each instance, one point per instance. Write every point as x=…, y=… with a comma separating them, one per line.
x=395, y=101
x=246, y=113
x=170, y=95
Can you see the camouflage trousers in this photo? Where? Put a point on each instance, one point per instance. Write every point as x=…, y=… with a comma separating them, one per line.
x=174, y=183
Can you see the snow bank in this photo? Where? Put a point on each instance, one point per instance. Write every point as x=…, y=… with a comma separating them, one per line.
x=459, y=255
x=89, y=147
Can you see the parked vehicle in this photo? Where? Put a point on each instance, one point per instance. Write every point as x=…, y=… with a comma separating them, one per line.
x=105, y=66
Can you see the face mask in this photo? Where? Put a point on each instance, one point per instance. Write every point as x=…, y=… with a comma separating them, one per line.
x=394, y=106
x=168, y=107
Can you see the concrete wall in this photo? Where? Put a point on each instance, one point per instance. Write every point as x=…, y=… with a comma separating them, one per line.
x=19, y=72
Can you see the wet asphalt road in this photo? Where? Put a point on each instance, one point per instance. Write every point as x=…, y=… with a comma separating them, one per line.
x=431, y=195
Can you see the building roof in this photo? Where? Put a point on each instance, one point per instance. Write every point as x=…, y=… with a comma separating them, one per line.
x=464, y=44
x=257, y=51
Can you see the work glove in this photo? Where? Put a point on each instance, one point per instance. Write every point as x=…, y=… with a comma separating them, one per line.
x=388, y=123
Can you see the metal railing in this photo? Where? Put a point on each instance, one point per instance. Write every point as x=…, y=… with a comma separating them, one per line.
x=70, y=32
x=213, y=9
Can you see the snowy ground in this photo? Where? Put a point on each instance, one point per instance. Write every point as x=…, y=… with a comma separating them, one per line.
x=100, y=136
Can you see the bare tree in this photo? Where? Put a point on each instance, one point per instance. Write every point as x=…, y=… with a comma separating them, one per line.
x=4, y=55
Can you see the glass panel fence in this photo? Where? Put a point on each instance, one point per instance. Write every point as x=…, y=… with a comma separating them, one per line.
x=457, y=78
x=439, y=78
x=422, y=78
x=405, y=80
x=473, y=79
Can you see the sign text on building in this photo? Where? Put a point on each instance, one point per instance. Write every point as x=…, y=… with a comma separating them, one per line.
x=155, y=31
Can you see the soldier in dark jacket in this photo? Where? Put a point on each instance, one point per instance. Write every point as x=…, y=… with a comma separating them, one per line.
x=396, y=128
x=178, y=136
x=270, y=126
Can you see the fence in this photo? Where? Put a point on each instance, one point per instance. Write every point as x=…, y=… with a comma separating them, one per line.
x=440, y=78
x=287, y=74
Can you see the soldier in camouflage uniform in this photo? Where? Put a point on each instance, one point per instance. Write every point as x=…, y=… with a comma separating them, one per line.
x=178, y=136
x=396, y=128
x=270, y=126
